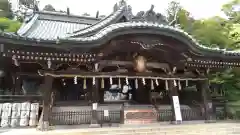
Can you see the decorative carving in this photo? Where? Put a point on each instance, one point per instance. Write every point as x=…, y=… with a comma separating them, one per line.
x=150, y=16
x=122, y=3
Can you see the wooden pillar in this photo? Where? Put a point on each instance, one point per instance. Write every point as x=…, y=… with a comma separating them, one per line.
x=206, y=99
x=18, y=85
x=46, y=90
x=173, y=93
x=95, y=101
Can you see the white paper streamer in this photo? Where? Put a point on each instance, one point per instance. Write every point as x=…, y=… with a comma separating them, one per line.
x=126, y=79
x=110, y=80
x=156, y=81
x=94, y=81
x=75, y=80
x=179, y=85
x=143, y=81
x=175, y=83
x=136, y=83
x=166, y=85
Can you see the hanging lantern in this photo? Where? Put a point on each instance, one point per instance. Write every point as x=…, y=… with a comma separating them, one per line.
x=179, y=85
x=152, y=85
x=110, y=80
x=94, y=81
x=84, y=83
x=126, y=79
x=136, y=83
x=143, y=81
x=166, y=85
x=119, y=83
x=75, y=80
x=102, y=83
x=156, y=81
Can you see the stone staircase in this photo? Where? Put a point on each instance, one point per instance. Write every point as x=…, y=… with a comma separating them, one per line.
x=152, y=129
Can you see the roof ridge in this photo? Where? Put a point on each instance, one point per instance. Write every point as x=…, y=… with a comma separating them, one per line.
x=104, y=22
x=27, y=25
x=116, y=26
x=66, y=15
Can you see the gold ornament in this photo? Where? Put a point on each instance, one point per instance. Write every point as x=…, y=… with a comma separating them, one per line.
x=140, y=64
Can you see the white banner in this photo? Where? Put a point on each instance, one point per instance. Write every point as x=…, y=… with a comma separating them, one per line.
x=177, y=109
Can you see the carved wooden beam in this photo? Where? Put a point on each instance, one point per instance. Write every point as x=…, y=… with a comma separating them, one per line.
x=106, y=63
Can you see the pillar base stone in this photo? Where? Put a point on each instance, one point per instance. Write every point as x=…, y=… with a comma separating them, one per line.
x=177, y=122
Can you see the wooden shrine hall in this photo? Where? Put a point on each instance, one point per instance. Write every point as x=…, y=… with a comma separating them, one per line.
x=123, y=68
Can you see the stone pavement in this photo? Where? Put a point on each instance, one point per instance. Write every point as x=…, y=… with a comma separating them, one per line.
x=227, y=128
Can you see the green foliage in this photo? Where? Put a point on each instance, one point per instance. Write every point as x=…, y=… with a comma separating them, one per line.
x=231, y=10
x=9, y=25
x=5, y=9
x=214, y=32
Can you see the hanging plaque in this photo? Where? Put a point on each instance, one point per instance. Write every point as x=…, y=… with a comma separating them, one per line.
x=177, y=109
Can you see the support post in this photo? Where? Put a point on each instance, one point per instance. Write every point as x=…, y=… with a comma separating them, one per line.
x=176, y=110
x=206, y=99
x=18, y=85
x=46, y=90
x=95, y=101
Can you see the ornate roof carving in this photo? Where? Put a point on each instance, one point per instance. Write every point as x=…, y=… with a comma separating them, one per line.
x=58, y=27
x=121, y=9
x=150, y=16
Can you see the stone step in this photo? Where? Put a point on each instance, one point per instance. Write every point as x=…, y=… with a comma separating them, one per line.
x=155, y=129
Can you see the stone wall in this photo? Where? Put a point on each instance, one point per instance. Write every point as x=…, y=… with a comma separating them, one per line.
x=18, y=114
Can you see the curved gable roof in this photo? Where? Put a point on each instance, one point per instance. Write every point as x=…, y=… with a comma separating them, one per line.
x=124, y=28
x=121, y=12
x=50, y=25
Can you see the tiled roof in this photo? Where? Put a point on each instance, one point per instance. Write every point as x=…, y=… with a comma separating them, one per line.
x=111, y=19
x=50, y=26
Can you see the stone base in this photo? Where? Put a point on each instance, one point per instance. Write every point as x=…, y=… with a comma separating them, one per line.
x=177, y=122
x=94, y=126
x=210, y=121
x=43, y=126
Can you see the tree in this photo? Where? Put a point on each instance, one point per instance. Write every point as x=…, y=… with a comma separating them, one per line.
x=9, y=25
x=6, y=9
x=49, y=7
x=176, y=14
x=28, y=3
x=211, y=32
x=232, y=10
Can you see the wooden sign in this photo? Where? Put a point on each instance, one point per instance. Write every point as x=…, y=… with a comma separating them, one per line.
x=176, y=105
x=105, y=113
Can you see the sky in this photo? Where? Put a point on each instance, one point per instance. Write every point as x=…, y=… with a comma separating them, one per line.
x=198, y=8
